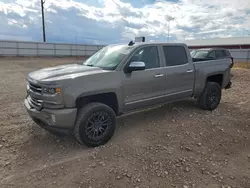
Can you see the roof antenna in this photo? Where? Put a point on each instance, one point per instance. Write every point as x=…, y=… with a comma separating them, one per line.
x=131, y=43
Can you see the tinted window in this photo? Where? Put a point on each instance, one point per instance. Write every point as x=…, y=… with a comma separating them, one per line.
x=211, y=54
x=227, y=53
x=108, y=57
x=200, y=54
x=148, y=55
x=175, y=55
x=220, y=53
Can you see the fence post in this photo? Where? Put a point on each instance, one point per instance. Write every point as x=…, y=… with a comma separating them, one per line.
x=71, y=50
x=248, y=56
x=54, y=50
x=37, y=53
x=17, y=48
x=85, y=50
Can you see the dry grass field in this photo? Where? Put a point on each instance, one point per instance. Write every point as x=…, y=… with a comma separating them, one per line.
x=242, y=64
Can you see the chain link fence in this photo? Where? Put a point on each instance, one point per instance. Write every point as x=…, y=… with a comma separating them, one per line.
x=241, y=57
x=20, y=48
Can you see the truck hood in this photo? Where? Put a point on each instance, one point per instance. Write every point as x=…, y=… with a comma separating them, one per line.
x=63, y=72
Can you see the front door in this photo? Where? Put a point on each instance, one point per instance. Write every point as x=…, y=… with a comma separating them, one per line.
x=145, y=87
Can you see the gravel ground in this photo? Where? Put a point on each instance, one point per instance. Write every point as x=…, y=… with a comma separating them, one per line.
x=177, y=145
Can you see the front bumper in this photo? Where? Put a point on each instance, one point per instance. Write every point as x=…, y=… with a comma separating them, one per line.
x=60, y=121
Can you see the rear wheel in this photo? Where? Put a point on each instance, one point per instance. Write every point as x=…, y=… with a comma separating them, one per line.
x=211, y=96
x=95, y=124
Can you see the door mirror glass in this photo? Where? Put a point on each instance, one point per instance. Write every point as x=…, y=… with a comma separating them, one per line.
x=136, y=66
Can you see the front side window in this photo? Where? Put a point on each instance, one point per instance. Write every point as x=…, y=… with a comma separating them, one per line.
x=108, y=57
x=175, y=55
x=148, y=55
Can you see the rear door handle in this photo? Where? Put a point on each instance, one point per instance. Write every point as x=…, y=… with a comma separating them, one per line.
x=159, y=75
x=190, y=70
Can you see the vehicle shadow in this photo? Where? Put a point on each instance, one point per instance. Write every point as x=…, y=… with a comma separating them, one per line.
x=160, y=112
x=43, y=147
x=171, y=113
x=43, y=139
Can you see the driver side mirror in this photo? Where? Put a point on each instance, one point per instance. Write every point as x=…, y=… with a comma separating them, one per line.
x=136, y=66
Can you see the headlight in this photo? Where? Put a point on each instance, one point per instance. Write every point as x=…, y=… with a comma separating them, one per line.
x=51, y=90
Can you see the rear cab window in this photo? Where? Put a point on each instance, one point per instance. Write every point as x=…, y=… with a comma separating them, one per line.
x=175, y=55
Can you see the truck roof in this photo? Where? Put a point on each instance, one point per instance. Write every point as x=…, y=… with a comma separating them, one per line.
x=165, y=43
x=215, y=48
x=145, y=43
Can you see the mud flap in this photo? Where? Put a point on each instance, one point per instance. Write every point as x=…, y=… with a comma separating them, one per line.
x=228, y=86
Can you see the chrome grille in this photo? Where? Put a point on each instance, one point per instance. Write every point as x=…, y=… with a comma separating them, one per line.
x=35, y=103
x=35, y=88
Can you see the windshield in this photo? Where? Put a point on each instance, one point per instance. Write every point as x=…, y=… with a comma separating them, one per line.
x=108, y=57
x=200, y=54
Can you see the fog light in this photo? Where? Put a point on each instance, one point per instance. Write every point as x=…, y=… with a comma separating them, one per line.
x=53, y=118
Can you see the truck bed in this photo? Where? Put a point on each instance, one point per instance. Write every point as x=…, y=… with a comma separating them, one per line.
x=203, y=69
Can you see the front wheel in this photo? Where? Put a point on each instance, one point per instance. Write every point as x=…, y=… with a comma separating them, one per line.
x=95, y=124
x=210, y=97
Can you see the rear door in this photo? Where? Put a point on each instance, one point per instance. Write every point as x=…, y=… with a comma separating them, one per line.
x=179, y=72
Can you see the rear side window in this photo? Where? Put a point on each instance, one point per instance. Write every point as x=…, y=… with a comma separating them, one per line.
x=175, y=55
x=220, y=53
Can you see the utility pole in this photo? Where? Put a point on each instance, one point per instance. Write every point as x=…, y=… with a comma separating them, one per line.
x=42, y=7
x=168, y=29
x=168, y=19
x=76, y=49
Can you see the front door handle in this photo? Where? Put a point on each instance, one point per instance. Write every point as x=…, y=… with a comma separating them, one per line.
x=159, y=75
x=190, y=70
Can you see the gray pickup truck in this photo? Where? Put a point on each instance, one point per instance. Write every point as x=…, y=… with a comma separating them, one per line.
x=84, y=99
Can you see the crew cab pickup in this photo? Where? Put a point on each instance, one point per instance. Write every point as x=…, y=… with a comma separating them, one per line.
x=84, y=99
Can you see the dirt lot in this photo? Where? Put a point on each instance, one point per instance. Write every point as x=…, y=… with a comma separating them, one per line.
x=177, y=145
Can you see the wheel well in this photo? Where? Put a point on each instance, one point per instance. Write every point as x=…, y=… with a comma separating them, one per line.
x=109, y=99
x=216, y=78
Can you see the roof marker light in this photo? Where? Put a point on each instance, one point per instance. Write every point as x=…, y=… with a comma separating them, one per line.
x=139, y=39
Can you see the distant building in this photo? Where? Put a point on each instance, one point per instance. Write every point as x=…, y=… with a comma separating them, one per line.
x=238, y=46
x=229, y=43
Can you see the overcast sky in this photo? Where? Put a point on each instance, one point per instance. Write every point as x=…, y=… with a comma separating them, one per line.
x=112, y=21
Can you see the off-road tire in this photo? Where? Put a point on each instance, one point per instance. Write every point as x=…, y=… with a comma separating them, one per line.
x=80, y=130
x=210, y=97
